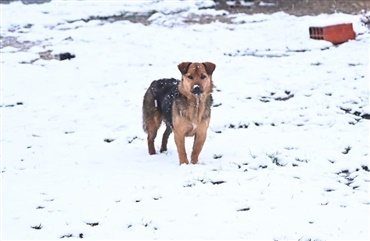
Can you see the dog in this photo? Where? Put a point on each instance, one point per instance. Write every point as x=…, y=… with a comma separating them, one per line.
x=183, y=105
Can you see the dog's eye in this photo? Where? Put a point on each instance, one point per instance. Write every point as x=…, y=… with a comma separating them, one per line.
x=203, y=76
x=190, y=77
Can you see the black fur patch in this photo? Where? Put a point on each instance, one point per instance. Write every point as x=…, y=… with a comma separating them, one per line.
x=164, y=92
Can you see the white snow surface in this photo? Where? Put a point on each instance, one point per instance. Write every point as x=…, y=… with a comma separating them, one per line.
x=287, y=152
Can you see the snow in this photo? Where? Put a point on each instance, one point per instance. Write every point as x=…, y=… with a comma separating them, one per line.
x=287, y=153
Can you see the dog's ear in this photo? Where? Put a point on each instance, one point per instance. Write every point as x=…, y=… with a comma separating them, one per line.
x=210, y=67
x=183, y=67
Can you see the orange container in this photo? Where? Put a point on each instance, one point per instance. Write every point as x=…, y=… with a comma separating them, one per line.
x=336, y=34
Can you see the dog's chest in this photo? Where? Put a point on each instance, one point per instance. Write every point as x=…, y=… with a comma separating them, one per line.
x=193, y=113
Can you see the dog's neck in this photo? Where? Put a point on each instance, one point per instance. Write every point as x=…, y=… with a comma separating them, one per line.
x=195, y=107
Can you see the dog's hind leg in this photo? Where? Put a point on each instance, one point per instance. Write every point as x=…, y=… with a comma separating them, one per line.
x=151, y=136
x=166, y=134
x=152, y=119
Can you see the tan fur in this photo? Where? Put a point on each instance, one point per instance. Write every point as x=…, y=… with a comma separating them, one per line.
x=191, y=119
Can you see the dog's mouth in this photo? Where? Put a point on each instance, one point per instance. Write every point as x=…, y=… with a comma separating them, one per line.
x=197, y=90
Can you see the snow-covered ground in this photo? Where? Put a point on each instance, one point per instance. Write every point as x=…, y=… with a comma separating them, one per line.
x=287, y=154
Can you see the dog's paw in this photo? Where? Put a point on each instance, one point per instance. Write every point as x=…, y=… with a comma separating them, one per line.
x=163, y=149
x=195, y=161
x=184, y=162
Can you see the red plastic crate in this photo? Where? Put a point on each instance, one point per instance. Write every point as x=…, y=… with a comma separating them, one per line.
x=336, y=34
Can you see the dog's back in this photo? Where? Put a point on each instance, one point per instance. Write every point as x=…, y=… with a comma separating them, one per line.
x=158, y=100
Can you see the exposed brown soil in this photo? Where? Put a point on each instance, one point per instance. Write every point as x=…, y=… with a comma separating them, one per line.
x=297, y=7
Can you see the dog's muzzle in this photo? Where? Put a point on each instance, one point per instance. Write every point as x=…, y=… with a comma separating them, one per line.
x=197, y=90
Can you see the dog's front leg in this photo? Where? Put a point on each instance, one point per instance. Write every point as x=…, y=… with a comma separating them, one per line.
x=180, y=144
x=199, y=139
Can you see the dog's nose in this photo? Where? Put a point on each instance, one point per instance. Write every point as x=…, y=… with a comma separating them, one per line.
x=197, y=90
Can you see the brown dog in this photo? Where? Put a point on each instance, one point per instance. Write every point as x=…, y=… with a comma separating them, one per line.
x=184, y=106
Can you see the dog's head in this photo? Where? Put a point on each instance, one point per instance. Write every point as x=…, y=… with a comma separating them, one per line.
x=196, y=78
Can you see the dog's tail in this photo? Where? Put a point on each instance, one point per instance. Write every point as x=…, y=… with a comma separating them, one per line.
x=150, y=109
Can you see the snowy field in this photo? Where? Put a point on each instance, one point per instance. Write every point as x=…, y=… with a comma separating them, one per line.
x=287, y=154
